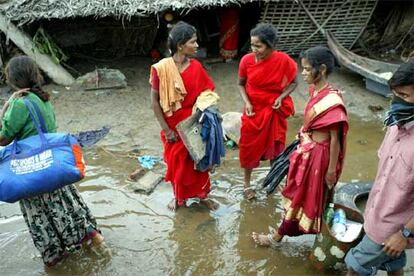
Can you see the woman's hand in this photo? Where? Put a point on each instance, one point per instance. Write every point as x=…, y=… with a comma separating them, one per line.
x=170, y=136
x=17, y=94
x=330, y=179
x=278, y=103
x=13, y=96
x=249, y=109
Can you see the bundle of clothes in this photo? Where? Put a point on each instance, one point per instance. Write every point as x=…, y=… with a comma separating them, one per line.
x=212, y=136
x=205, y=123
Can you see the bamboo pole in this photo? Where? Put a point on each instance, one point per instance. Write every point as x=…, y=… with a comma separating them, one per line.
x=320, y=28
x=56, y=72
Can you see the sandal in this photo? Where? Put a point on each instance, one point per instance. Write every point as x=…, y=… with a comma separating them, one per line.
x=249, y=193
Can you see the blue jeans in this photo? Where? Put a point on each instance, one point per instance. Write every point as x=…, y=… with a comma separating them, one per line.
x=368, y=257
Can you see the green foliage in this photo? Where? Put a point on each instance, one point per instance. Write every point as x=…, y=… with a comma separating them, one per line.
x=44, y=44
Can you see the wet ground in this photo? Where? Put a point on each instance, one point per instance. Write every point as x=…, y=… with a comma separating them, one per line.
x=144, y=236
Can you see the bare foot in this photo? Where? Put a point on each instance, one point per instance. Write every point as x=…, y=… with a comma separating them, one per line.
x=210, y=204
x=99, y=247
x=97, y=239
x=93, y=239
x=267, y=240
x=173, y=205
x=249, y=193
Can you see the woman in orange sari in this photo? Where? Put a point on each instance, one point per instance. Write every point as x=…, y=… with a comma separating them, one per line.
x=316, y=165
x=266, y=78
x=176, y=82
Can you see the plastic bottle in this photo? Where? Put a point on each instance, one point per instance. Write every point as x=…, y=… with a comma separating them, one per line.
x=230, y=144
x=339, y=223
x=329, y=214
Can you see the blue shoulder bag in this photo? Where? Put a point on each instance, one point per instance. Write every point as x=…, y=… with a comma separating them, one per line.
x=39, y=164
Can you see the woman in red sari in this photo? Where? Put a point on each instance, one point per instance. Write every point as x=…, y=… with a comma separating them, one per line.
x=266, y=78
x=229, y=32
x=315, y=166
x=176, y=83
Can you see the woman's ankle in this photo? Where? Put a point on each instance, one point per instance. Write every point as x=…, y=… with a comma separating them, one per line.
x=277, y=237
x=97, y=239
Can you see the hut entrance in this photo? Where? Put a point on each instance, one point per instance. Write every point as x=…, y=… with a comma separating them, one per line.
x=104, y=38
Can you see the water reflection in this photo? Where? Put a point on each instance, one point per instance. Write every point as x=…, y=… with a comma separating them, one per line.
x=197, y=242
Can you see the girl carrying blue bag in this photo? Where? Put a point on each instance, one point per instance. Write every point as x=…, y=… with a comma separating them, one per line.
x=59, y=220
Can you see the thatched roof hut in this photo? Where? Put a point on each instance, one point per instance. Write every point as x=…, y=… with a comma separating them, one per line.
x=27, y=11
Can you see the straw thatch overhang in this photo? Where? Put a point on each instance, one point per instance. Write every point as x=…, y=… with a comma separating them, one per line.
x=27, y=11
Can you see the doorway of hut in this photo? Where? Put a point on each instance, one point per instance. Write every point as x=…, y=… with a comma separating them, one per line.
x=222, y=32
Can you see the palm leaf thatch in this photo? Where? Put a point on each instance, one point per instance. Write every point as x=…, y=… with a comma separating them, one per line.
x=26, y=11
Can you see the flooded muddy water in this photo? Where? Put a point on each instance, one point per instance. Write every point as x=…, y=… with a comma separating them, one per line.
x=147, y=239
x=144, y=237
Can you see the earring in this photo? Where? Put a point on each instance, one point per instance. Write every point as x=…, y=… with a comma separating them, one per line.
x=180, y=48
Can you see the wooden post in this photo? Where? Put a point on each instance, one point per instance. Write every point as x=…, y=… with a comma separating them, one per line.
x=56, y=72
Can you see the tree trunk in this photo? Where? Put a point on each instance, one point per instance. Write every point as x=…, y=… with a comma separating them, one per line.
x=56, y=72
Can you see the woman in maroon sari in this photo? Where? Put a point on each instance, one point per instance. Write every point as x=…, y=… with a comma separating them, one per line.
x=316, y=165
x=176, y=83
x=266, y=78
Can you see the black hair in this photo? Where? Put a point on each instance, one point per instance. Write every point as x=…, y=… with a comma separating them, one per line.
x=403, y=76
x=22, y=72
x=266, y=33
x=319, y=55
x=179, y=35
